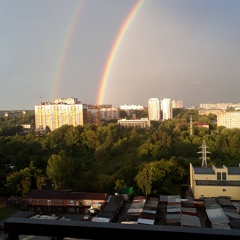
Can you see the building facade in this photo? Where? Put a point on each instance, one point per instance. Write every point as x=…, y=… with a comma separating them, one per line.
x=228, y=119
x=62, y=201
x=154, y=109
x=177, y=104
x=219, y=106
x=98, y=113
x=166, y=107
x=140, y=123
x=208, y=182
x=63, y=111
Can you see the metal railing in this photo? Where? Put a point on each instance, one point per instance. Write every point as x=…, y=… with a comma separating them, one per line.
x=14, y=227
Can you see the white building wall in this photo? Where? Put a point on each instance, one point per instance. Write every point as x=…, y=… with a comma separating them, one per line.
x=154, y=109
x=166, y=106
x=228, y=119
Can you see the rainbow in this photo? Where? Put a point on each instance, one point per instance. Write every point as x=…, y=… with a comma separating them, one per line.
x=64, y=50
x=114, y=49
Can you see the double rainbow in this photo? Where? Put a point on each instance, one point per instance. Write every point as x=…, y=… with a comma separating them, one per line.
x=110, y=59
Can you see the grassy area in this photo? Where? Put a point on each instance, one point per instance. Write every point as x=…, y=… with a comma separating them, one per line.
x=6, y=212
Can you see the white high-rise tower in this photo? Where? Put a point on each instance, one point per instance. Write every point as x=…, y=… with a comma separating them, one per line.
x=154, y=109
x=166, y=107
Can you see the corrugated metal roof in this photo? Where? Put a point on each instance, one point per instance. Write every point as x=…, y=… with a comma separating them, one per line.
x=163, y=198
x=149, y=211
x=187, y=209
x=114, y=204
x=140, y=198
x=136, y=205
x=145, y=221
x=231, y=213
x=147, y=215
x=174, y=199
x=100, y=219
x=190, y=221
x=174, y=210
x=224, y=201
x=216, y=215
x=135, y=210
x=209, y=201
x=173, y=218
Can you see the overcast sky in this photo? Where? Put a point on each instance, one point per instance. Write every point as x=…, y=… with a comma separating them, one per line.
x=185, y=50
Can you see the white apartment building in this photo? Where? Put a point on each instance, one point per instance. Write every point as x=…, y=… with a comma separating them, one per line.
x=154, y=109
x=166, y=107
x=228, y=119
x=131, y=107
x=219, y=106
x=140, y=123
x=63, y=111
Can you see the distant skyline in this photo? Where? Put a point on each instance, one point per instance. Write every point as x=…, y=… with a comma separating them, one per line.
x=119, y=52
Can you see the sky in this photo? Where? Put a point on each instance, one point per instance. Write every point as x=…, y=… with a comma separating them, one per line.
x=119, y=52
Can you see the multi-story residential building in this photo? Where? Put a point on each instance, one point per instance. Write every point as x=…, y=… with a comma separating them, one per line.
x=208, y=111
x=141, y=123
x=166, y=107
x=219, y=106
x=63, y=111
x=228, y=119
x=97, y=113
x=109, y=114
x=154, y=109
x=208, y=182
x=177, y=104
x=131, y=107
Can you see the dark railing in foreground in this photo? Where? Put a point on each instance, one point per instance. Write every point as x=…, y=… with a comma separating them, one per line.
x=95, y=230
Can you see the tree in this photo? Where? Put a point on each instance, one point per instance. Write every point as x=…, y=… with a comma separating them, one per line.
x=119, y=184
x=26, y=179
x=161, y=176
x=60, y=170
x=149, y=173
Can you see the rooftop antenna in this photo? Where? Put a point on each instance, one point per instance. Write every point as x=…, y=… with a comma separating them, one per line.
x=204, y=153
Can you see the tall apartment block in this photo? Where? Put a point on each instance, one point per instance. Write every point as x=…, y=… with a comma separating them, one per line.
x=154, y=109
x=166, y=107
x=63, y=111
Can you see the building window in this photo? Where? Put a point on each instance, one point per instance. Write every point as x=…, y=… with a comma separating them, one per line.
x=224, y=190
x=224, y=176
x=70, y=202
x=59, y=201
x=37, y=201
x=218, y=176
x=30, y=201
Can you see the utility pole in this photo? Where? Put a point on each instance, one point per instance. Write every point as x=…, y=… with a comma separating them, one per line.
x=204, y=154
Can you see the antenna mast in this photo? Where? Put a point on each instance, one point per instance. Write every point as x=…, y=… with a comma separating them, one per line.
x=204, y=154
